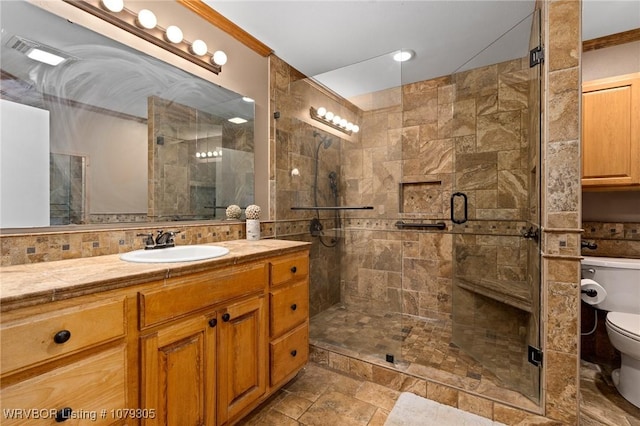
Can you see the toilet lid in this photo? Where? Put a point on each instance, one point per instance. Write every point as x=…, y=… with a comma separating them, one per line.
x=627, y=324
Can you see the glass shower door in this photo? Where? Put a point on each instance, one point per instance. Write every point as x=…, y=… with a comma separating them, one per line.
x=495, y=210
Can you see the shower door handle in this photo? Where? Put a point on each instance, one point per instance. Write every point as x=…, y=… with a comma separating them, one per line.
x=453, y=203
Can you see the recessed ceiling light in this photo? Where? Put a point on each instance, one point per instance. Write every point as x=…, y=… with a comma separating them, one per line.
x=403, y=55
x=46, y=57
x=237, y=120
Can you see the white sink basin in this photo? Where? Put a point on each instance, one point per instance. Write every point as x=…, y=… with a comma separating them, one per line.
x=175, y=254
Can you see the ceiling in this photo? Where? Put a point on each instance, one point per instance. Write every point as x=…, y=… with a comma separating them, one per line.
x=346, y=45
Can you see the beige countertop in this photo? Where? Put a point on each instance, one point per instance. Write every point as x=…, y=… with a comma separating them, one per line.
x=31, y=284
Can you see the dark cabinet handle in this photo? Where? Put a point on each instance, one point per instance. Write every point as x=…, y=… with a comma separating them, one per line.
x=226, y=317
x=213, y=322
x=294, y=307
x=62, y=336
x=63, y=414
x=294, y=269
x=294, y=352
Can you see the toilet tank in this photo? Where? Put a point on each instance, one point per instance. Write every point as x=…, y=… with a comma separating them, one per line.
x=621, y=280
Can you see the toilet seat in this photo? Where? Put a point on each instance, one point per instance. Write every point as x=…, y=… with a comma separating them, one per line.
x=626, y=324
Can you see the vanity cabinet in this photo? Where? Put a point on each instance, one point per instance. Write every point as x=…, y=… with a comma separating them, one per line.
x=289, y=317
x=611, y=133
x=202, y=346
x=65, y=362
x=203, y=342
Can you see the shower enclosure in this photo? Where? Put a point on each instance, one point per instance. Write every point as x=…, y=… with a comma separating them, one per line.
x=424, y=224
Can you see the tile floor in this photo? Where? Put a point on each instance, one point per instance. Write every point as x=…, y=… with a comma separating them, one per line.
x=320, y=396
x=426, y=351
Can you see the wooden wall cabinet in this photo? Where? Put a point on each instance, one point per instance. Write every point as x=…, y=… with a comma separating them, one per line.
x=611, y=133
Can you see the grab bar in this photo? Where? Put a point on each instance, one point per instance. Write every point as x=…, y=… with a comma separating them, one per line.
x=404, y=225
x=334, y=208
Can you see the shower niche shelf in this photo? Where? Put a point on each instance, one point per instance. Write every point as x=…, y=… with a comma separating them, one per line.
x=512, y=293
x=420, y=197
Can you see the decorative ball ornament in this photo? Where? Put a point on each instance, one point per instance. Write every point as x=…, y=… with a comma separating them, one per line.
x=252, y=212
x=233, y=212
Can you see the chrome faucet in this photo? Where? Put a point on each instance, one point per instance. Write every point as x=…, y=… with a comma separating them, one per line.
x=162, y=240
x=165, y=239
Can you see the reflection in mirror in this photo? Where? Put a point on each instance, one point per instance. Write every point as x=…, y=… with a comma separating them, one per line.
x=131, y=138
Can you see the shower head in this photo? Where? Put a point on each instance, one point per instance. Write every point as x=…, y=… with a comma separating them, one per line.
x=325, y=140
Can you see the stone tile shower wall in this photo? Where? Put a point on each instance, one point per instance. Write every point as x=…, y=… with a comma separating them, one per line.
x=465, y=132
x=294, y=146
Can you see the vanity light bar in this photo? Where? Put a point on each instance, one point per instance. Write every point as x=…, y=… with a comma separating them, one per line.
x=334, y=121
x=146, y=27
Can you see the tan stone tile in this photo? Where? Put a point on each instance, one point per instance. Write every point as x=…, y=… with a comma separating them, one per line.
x=377, y=395
x=414, y=385
x=564, y=105
x=292, y=405
x=562, y=387
x=360, y=369
x=476, y=405
x=442, y=394
x=339, y=362
x=379, y=418
x=564, y=34
x=387, y=377
x=335, y=408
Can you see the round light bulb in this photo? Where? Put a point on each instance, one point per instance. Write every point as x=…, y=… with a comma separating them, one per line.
x=198, y=47
x=114, y=6
x=321, y=111
x=349, y=127
x=329, y=116
x=336, y=119
x=197, y=155
x=343, y=122
x=146, y=19
x=209, y=154
x=356, y=128
x=403, y=55
x=247, y=99
x=174, y=34
x=219, y=57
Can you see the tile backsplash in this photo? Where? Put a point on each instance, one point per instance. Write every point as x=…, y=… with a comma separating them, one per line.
x=612, y=239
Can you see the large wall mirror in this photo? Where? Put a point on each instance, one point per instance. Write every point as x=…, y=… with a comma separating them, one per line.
x=111, y=134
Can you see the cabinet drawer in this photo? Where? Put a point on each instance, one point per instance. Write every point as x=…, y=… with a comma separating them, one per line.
x=92, y=386
x=289, y=307
x=188, y=294
x=289, y=353
x=41, y=338
x=289, y=268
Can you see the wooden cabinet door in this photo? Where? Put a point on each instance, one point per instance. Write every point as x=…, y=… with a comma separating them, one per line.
x=611, y=132
x=242, y=360
x=178, y=372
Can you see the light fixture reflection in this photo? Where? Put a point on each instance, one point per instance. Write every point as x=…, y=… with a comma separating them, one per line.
x=45, y=57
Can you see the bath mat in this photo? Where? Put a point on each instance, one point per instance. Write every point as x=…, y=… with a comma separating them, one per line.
x=413, y=410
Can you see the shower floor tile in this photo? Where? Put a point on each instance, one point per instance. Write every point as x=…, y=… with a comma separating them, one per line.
x=421, y=347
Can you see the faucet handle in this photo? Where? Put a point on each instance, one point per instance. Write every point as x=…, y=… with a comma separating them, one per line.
x=172, y=236
x=149, y=243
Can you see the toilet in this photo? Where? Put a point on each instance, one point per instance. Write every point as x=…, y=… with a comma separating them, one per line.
x=620, y=279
